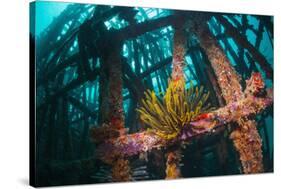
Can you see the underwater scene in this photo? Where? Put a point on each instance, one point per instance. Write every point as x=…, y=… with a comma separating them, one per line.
x=133, y=94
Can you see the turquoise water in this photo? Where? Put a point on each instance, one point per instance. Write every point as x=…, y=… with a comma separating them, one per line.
x=63, y=123
x=46, y=12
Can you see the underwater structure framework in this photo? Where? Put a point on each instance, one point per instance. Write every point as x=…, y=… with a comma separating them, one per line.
x=131, y=94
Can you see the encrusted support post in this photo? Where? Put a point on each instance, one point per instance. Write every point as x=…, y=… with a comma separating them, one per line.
x=103, y=115
x=178, y=80
x=111, y=104
x=179, y=51
x=173, y=164
x=121, y=167
x=116, y=113
x=121, y=170
x=245, y=137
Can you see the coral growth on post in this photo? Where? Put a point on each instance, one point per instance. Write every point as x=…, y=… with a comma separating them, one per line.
x=182, y=114
x=121, y=170
x=231, y=89
x=172, y=164
x=248, y=143
x=115, y=126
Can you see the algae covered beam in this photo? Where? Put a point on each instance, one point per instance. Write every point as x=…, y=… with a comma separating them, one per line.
x=254, y=100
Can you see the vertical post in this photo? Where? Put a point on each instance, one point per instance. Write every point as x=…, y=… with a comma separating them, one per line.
x=116, y=113
x=179, y=50
x=120, y=166
x=172, y=164
x=121, y=170
x=103, y=116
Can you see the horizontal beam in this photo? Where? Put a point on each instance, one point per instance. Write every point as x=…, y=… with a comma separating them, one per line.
x=132, y=144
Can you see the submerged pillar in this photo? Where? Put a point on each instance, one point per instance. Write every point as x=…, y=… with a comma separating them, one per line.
x=121, y=170
x=103, y=116
x=116, y=112
x=112, y=119
x=172, y=164
x=179, y=51
x=178, y=80
x=120, y=166
x=246, y=139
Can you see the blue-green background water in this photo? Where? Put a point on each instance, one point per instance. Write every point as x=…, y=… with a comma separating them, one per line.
x=64, y=122
x=45, y=13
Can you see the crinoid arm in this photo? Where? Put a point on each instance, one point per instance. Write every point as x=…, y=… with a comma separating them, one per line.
x=167, y=116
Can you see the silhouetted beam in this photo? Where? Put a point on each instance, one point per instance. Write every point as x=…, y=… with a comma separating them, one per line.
x=59, y=45
x=267, y=23
x=66, y=43
x=48, y=39
x=259, y=35
x=79, y=81
x=70, y=86
x=81, y=106
x=129, y=32
x=243, y=42
x=156, y=67
x=134, y=92
x=241, y=26
x=135, y=30
x=132, y=76
x=164, y=62
x=84, y=66
x=130, y=29
x=62, y=65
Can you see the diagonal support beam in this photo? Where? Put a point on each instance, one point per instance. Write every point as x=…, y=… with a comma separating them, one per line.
x=81, y=106
x=243, y=42
x=245, y=137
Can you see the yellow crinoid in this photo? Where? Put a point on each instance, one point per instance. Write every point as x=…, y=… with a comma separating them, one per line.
x=166, y=117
